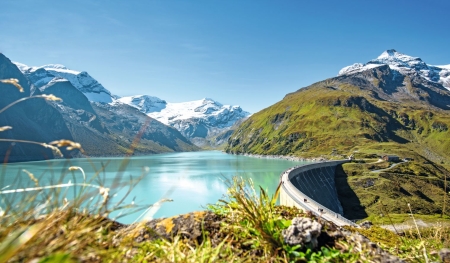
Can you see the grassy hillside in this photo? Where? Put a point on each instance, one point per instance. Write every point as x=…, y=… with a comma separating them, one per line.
x=365, y=117
x=318, y=119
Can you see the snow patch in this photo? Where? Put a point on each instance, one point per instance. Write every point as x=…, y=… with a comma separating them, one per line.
x=357, y=67
x=57, y=79
x=444, y=67
x=144, y=103
x=98, y=97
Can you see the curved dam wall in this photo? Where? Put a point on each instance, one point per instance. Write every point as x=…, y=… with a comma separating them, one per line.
x=312, y=188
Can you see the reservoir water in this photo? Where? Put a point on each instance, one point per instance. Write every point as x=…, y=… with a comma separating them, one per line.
x=191, y=179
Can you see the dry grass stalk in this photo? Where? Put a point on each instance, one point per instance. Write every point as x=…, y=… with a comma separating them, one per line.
x=36, y=182
x=103, y=191
x=14, y=82
x=64, y=225
x=5, y=128
x=70, y=145
x=49, y=97
x=418, y=232
x=74, y=168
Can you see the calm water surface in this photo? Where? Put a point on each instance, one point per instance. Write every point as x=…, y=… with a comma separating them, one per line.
x=191, y=179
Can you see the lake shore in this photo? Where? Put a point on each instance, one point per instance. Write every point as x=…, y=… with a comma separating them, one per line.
x=284, y=157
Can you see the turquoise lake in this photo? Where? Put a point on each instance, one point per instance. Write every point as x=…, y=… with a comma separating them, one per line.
x=191, y=179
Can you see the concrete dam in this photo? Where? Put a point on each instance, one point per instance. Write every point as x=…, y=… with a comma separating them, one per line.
x=312, y=188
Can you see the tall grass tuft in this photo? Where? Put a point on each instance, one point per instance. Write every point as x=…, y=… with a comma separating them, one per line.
x=67, y=218
x=64, y=219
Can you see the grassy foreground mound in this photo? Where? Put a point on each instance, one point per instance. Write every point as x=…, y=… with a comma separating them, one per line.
x=247, y=227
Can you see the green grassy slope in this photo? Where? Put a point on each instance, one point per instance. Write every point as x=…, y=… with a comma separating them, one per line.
x=366, y=118
x=318, y=119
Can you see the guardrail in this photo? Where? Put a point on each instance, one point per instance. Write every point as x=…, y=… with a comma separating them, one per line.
x=299, y=197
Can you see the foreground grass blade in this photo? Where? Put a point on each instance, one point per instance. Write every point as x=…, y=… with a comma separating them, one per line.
x=16, y=240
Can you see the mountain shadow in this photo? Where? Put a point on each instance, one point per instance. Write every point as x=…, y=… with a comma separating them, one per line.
x=33, y=120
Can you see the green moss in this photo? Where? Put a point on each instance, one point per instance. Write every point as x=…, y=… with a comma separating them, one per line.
x=380, y=235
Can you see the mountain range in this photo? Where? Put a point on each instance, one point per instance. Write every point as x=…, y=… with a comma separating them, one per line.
x=199, y=121
x=74, y=118
x=193, y=118
x=103, y=123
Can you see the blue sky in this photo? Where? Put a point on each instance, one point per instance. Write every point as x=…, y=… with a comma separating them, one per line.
x=250, y=53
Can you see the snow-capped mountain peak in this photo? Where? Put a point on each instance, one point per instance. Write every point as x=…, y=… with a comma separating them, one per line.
x=404, y=64
x=396, y=59
x=388, y=53
x=170, y=112
x=41, y=76
x=206, y=114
